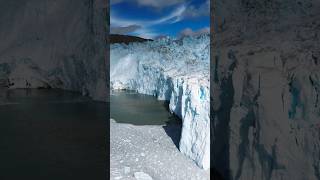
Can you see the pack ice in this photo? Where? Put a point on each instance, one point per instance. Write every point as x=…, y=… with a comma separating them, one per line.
x=176, y=71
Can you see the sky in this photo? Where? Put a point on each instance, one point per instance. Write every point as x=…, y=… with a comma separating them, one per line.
x=157, y=18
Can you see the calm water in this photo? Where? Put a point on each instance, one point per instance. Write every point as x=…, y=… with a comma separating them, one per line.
x=52, y=134
x=55, y=134
x=131, y=107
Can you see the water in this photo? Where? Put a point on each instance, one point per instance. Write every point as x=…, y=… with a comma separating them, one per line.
x=55, y=134
x=52, y=134
x=138, y=109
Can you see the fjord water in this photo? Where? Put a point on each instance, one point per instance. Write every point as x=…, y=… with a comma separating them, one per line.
x=52, y=134
x=139, y=109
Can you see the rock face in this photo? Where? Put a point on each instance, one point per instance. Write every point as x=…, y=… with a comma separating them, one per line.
x=173, y=70
x=57, y=44
x=265, y=87
x=126, y=39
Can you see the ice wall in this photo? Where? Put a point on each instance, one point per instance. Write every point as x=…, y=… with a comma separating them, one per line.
x=58, y=44
x=265, y=88
x=173, y=70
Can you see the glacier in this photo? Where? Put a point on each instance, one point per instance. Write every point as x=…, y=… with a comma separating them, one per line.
x=176, y=70
x=265, y=90
x=56, y=44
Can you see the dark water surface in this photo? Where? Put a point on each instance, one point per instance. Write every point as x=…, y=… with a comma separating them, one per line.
x=138, y=109
x=52, y=134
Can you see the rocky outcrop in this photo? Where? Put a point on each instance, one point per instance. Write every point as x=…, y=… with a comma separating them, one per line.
x=265, y=86
x=57, y=44
x=126, y=39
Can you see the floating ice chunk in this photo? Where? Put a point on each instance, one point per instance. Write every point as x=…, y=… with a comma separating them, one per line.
x=126, y=170
x=142, y=176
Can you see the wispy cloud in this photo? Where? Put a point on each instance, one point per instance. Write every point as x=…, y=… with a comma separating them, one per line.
x=121, y=24
x=151, y=3
x=147, y=33
x=124, y=29
x=191, y=12
x=173, y=17
x=180, y=10
x=198, y=11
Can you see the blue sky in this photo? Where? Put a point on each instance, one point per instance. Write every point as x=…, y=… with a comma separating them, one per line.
x=156, y=18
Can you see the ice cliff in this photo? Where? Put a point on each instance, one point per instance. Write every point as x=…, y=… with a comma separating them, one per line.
x=265, y=90
x=57, y=44
x=173, y=70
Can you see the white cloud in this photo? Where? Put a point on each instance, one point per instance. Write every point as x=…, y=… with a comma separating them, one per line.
x=144, y=30
x=146, y=33
x=124, y=29
x=202, y=10
x=173, y=17
x=151, y=3
x=190, y=32
x=159, y=3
